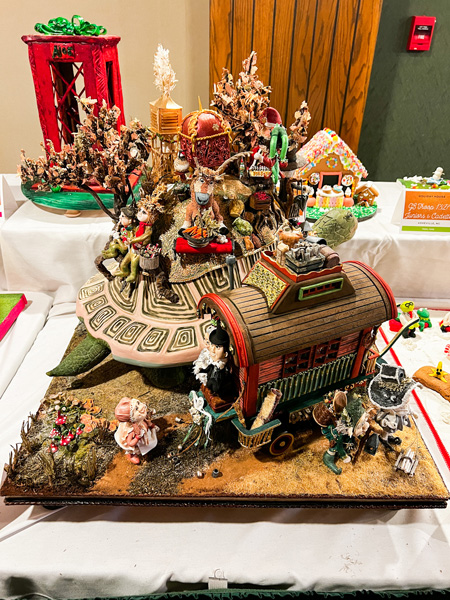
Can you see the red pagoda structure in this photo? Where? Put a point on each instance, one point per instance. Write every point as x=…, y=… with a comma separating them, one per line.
x=66, y=68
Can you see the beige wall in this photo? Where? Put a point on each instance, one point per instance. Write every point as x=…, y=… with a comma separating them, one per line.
x=182, y=26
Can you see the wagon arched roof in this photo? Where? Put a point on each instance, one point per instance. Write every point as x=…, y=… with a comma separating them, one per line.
x=260, y=335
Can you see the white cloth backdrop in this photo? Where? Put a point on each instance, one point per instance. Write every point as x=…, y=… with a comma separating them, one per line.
x=44, y=251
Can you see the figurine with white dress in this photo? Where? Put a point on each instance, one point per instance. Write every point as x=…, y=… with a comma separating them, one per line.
x=136, y=434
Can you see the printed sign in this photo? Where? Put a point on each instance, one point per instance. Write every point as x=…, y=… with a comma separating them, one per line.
x=426, y=210
x=63, y=52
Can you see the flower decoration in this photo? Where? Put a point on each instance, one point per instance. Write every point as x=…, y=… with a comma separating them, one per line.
x=73, y=419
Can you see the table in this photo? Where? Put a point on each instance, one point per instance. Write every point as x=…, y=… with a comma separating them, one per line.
x=414, y=264
x=100, y=551
x=111, y=551
x=44, y=251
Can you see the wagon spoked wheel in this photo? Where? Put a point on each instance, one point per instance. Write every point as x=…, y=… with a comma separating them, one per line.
x=281, y=444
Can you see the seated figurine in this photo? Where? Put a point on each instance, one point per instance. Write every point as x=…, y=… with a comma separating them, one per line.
x=148, y=210
x=136, y=434
x=211, y=369
x=124, y=230
x=436, y=178
x=202, y=199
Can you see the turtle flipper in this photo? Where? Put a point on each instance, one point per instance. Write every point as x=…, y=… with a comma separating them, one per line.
x=89, y=353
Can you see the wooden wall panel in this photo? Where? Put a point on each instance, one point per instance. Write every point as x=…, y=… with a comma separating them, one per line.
x=347, y=12
x=320, y=61
x=242, y=33
x=301, y=52
x=359, y=73
x=220, y=39
x=262, y=36
x=281, y=54
x=315, y=50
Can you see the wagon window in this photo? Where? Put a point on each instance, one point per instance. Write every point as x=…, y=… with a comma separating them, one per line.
x=320, y=289
x=310, y=357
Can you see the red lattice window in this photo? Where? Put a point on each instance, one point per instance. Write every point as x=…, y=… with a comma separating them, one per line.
x=308, y=358
x=68, y=86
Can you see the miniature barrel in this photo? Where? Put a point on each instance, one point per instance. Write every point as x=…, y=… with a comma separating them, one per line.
x=148, y=263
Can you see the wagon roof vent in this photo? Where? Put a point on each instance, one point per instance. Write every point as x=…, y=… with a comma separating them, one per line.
x=286, y=291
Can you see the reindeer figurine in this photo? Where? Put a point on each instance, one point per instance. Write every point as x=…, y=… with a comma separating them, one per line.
x=202, y=194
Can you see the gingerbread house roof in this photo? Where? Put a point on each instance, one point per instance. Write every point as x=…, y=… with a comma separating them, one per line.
x=324, y=143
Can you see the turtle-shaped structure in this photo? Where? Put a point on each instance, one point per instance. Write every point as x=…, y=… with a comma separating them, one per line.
x=144, y=329
x=336, y=226
x=137, y=323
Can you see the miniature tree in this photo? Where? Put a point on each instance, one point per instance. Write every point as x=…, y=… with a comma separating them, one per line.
x=299, y=128
x=99, y=156
x=242, y=103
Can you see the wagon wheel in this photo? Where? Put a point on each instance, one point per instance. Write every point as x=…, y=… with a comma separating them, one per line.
x=281, y=444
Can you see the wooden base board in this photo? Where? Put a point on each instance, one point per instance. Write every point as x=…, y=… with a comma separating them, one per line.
x=246, y=478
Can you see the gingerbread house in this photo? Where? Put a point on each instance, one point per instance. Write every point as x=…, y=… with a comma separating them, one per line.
x=329, y=161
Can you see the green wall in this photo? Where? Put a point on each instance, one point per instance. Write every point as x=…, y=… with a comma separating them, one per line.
x=406, y=126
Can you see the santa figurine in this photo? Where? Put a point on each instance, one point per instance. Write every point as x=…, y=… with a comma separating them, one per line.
x=136, y=434
x=445, y=323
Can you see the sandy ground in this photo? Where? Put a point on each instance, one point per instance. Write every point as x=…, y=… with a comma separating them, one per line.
x=243, y=473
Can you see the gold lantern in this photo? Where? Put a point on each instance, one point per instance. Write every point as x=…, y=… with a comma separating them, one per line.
x=165, y=116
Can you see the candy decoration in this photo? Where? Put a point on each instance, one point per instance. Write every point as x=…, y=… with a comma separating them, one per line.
x=61, y=419
x=77, y=26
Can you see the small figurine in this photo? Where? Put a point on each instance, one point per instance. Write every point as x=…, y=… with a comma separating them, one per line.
x=136, y=433
x=122, y=232
x=439, y=372
x=436, y=178
x=202, y=199
x=445, y=323
x=389, y=392
x=148, y=209
x=181, y=165
x=211, y=369
x=424, y=319
x=406, y=315
x=324, y=417
x=204, y=358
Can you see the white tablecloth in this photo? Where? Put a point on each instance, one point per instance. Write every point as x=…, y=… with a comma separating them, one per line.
x=416, y=265
x=46, y=252
x=19, y=339
x=88, y=551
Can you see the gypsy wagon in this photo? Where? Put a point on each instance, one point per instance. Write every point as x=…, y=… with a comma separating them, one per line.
x=303, y=334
